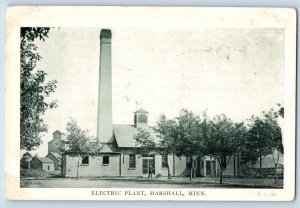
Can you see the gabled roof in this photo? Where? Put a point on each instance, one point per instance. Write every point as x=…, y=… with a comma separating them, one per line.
x=124, y=135
x=109, y=148
x=141, y=110
x=26, y=154
x=44, y=159
x=26, y=159
x=56, y=155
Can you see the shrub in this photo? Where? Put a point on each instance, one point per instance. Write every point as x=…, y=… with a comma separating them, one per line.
x=55, y=174
x=247, y=170
x=39, y=173
x=33, y=173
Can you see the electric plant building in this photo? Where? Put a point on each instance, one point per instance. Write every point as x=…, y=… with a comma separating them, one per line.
x=119, y=156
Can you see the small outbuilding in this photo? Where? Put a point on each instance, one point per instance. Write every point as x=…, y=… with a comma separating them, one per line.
x=42, y=163
x=56, y=158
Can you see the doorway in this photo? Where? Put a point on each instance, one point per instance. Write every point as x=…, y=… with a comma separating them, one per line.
x=211, y=168
x=147, y=162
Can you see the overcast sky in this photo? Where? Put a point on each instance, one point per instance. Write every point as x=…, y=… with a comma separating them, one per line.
x=238, y=72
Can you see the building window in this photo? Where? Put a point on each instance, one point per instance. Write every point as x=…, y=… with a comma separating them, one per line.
x=131, y=161
x=85, y=160
x=164, y=161
x=48, y=167
x=105, y=160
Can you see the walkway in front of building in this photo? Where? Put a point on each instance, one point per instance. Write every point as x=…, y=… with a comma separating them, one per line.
x=162, y=182
x=244, y=182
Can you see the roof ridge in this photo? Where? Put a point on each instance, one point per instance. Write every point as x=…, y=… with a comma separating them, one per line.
x=44, y=159
x=142, y=110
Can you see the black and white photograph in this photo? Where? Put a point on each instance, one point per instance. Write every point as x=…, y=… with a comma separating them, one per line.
x=165, y=110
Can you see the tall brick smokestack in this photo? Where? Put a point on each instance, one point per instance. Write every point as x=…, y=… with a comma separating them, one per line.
x=104, y=123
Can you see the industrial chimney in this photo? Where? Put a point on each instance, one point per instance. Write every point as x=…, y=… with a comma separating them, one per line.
x=104, y=120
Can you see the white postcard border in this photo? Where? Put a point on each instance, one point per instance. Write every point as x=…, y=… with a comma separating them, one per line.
x=126, y=17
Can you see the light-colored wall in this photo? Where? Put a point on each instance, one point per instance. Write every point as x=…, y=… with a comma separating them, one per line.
x=158, y=166
x=202, y=166
x=57, y=164
x=46, y=165
x=180, y=165
x=126, y=171
x=36, y=164
x=104, y=124
x=229, y=171
x=95, y=168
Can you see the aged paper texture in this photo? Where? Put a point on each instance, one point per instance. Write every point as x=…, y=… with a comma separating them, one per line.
x=150, y=103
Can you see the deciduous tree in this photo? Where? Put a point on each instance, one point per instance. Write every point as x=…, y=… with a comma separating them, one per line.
x=80, y=142
x=264, y=135
x=225, y=139
x=274, y=131
x=191, y=132
x=145, y=141
x=166, y=129
x=34, y=89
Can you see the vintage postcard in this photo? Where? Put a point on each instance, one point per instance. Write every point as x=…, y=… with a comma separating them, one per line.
x=150, y=103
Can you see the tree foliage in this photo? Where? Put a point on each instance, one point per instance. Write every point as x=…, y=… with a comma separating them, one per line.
x=34, y=89
x=80, y=142
x=193, y=136
x=264, y=137
x=166, y=129
x=225, y=139
x=190, y=134
x=145, y=141
x=167, y=134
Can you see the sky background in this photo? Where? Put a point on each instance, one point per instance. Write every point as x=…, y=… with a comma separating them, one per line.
x=238, y=72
